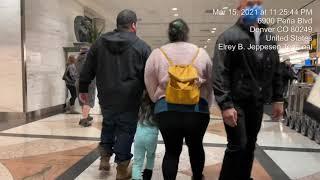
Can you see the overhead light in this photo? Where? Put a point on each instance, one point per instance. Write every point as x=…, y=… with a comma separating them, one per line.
x=176, y=15
x=174, y=9
x=209, y=39
x=205, y=47
x=225, y=7
x=213, y=32
x=214, y=29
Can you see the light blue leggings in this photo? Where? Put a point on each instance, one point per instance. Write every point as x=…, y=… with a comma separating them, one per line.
x=145, y=145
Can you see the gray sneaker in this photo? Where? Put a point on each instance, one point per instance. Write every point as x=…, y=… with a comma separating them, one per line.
x=85, y=122
x=90, y=118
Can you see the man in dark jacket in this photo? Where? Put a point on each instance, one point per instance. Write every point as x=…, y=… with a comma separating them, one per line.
x=288, y=74
x=117, y=61
x=245, y=65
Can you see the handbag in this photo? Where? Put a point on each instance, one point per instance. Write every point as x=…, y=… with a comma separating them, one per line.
x=67, y=76
x=312, y=105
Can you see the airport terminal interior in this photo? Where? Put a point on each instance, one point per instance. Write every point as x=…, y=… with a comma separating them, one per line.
x=39, y=140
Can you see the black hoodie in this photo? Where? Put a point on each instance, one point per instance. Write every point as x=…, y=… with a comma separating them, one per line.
x=117, y=60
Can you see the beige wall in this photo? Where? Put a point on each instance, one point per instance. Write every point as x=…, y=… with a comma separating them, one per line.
x=11, y=99
x=49, y=27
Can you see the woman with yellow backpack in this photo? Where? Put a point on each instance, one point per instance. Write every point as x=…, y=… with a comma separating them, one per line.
x=178, y=79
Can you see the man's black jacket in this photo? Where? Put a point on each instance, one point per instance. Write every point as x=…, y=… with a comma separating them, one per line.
x=232, y=82
x=117, y=60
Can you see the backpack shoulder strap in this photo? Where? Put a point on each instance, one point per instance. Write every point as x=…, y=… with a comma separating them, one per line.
x=167, y=57
x=171, y=62
x=195, y=57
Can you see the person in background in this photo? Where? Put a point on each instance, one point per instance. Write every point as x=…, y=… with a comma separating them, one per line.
x=241, y=78
x=146, y=140
x=70, y=78
x=117, y=61
x=86, y=119
x=178, y=121
x=288, y=74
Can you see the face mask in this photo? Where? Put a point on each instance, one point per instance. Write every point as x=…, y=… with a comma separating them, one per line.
x=252, y=14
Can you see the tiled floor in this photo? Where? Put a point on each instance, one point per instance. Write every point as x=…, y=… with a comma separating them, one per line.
x=298, y=165
x=57, y=148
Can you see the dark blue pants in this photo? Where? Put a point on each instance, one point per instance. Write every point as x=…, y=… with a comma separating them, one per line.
x=118, y=130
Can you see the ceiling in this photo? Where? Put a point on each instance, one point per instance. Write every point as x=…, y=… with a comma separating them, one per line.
x=156, y=15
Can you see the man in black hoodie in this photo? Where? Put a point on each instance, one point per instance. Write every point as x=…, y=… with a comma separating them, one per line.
x=117, y=61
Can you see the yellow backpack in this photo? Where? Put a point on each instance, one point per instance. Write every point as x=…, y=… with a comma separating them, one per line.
x=182, y=87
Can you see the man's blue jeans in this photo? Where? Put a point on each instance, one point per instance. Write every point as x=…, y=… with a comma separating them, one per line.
x=118, y=130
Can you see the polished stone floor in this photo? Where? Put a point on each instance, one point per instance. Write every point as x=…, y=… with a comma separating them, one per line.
x=57, y=148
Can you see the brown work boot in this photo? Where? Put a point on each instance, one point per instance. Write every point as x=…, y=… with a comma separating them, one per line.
x=104, y=160
x=104, y=163
x=123, y=170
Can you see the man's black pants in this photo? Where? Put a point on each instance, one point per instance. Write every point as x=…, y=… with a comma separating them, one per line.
x=239, y=156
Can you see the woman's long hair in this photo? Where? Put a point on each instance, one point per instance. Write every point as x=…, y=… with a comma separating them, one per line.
x=146, y=114
x=71, y=60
